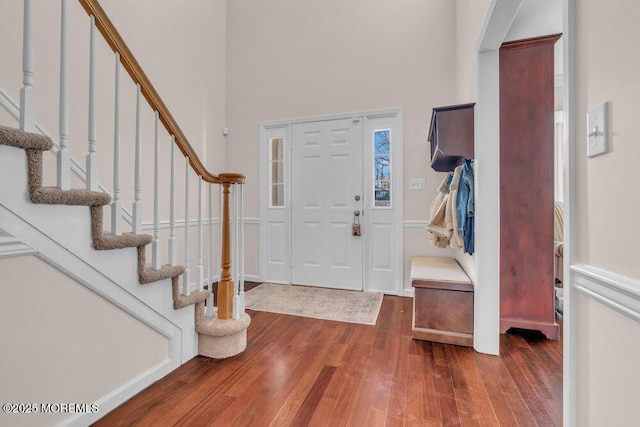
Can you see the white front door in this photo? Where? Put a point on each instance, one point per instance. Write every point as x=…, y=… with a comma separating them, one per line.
x=326, y=180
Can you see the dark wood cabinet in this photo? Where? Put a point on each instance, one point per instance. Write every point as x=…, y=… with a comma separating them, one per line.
x=451, y=136
x=526, y=186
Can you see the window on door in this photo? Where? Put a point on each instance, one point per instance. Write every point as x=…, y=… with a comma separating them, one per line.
x=382, y=168
x=276, y=183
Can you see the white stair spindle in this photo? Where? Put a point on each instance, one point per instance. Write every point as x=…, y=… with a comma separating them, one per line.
x=199, y=268
x=156, y=259
x=27, y=93
x=234, y=252
x=210, y=263
x=137, y=190
x=173, y=247
x=241, y=303
x=116, y=205
x=64, y=158
x=234, y=236
x=185, y=276
x=92, y=158
x=219, y=252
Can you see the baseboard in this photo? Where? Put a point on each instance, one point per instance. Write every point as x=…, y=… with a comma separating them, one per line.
x=408, y=293
x=617, y=292
x=123, y=393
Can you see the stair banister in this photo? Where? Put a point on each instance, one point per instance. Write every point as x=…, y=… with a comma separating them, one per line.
x=228, y=292
x=131, y=65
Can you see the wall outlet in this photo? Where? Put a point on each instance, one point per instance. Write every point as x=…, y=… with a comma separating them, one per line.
x=416, y=184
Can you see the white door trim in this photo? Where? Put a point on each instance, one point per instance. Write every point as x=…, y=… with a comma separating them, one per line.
x=570, y=353
x=283, y=128
x=499, y=19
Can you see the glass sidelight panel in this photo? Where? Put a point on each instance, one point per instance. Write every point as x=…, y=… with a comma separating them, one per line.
x=276, y=184
x=382, y=168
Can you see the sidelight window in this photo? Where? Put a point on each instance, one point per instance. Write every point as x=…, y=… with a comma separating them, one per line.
x=276, y=183
x=382, y=168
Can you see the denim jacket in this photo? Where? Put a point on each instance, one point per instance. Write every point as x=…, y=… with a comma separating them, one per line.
x=465, y=206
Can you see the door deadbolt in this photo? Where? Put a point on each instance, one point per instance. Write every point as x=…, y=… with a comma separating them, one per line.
x=357, y=198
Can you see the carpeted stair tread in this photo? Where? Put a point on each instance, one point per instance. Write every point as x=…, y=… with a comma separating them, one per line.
x=148, y=275
x=126, y=240
x=222, y=327
x=195, y=297
x=25, y=140
x=78, y=197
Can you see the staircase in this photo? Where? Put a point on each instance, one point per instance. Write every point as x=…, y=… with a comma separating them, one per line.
x=221, y=330
x=219, y=338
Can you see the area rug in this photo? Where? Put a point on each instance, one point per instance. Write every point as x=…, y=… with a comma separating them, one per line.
x=318, y=303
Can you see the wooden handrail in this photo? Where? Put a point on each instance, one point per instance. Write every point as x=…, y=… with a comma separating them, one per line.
x=131, y=65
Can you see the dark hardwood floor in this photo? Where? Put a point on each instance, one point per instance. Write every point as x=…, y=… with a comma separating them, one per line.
x=298, y=371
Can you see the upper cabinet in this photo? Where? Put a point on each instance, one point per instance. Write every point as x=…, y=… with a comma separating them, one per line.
x=451, y=136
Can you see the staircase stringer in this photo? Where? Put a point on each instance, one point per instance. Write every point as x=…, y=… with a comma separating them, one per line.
x=74, y=228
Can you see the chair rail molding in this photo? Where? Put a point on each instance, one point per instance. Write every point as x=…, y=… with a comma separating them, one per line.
x=11, y=246
x=622, y=294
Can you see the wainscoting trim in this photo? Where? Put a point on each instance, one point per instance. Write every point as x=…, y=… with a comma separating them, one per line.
x=409, y=223
x=617, y=292
x=10, y=246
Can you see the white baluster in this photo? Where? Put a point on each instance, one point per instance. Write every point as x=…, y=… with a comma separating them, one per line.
x=116, y=205
x=185, y=276
x=92, y=158
x=199, y=268
x=234, y=236
x=64, y=158
x=210, y=258
x=156, y=259
x=27, y=93
x=137, y=190
x=234, y=251
x=241, y=304
x=173, y=247
x=219, y=252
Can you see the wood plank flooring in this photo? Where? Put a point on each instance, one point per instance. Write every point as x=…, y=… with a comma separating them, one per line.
x=298, y=371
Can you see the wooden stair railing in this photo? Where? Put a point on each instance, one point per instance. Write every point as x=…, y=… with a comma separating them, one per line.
x=230, y=295
x=129, y=62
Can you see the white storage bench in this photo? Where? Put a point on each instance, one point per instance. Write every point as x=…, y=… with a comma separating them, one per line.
x=443, y=301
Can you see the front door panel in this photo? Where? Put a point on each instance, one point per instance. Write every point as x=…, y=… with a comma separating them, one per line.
x=326, y=178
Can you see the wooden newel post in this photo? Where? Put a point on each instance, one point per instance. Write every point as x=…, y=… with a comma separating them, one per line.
x=225, y=286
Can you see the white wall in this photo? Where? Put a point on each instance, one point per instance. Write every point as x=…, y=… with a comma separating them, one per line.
x=289, y=59
x=607, y=365
x=63, y=343
x=606, y=207
x=470, y=16
x=183, y=51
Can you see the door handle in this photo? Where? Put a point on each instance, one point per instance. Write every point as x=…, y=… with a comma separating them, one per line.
x=356, y=213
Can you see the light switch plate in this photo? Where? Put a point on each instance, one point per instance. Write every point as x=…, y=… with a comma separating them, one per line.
x=598, y=131
x=416, y=184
